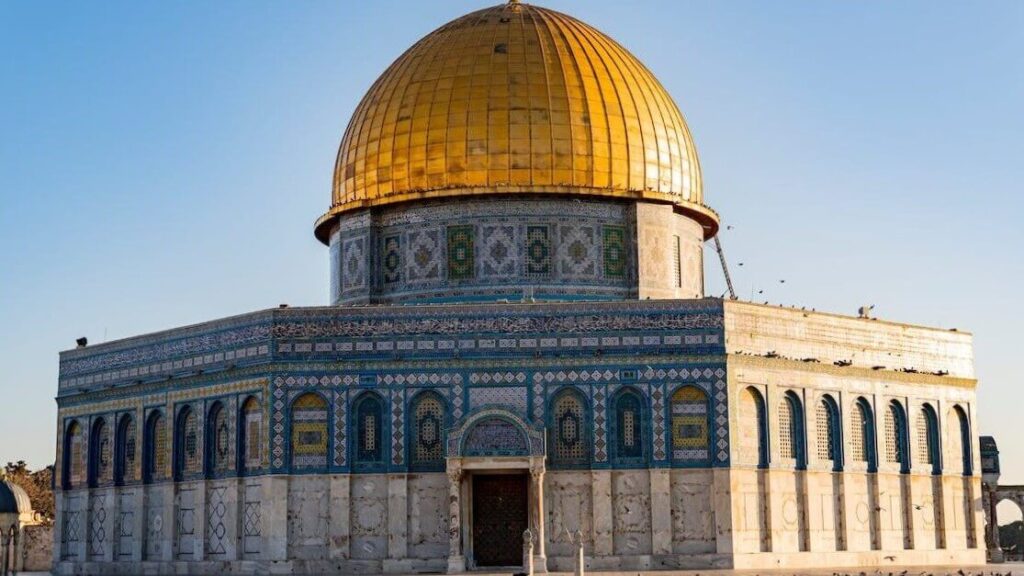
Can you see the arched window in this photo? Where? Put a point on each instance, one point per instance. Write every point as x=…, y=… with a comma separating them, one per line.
x=74, y=456
x=691, y=433
x=186, y=444
x=218, y=440
x=896, y=437
x=791, y=430
x=862, y=442
x=427, y=432
x=753, y=440
x=829, y=433
x=966, y=442
x=569, y=440
x=926, y=428
x=250, y=438
x=125, y=450
x=309, y=433
x=155, y=458
x=369, y=431
x=628, y=430
x=100, y=457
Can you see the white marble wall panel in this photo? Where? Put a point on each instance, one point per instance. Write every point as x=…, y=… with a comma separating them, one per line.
x=631, y=512
x=369, y=517
x=428, y=516
x=307, y=517
x=693, y=514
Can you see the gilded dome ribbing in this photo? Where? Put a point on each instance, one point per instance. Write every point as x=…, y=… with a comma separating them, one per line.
x=516, y=99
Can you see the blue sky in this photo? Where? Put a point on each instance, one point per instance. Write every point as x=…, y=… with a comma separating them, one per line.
x=162, y=163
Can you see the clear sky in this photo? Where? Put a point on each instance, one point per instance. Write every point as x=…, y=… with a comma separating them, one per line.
x=161, y=163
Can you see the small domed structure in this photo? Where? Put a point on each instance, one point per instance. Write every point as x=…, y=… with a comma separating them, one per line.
x=14, y=499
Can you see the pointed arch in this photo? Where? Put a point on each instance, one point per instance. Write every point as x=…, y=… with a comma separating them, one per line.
x=155, y=453
x=966, y=442
x=101, y=459
x=250, y=436
x=829, y=432
x=896, y=437
x=792, y=445
x=629, y=428
x=690, y=431
x=427, y=434
x=568, y=430
x=927, y=432
x=862, y=430
x=73, y=457
x=218, y=440
x=125, y=450
x=753, y=438
x=369, y=449
x=187, y=453
x=309, y=438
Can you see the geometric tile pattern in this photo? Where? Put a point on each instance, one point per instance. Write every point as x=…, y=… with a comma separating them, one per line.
x=309, y=431
x=391, y=259
x=216, y=531
x=691, y=439
x=397, y=427
x=340, y=429
x=577, y=251
x=460, y=252
x=424, y=257
x=97, y=526
x=513, y=397
x=658, y=420
x=614, y=251
x=353, y=262
x=538, y=251
x=499, y=254
x=600, y=398
x=495, y=437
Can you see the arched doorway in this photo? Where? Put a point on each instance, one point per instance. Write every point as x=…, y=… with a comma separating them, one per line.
x=1010, y=519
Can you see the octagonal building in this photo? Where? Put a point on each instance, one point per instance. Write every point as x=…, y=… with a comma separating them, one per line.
x=518, y=348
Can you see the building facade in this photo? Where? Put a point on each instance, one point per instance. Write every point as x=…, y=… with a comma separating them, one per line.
x=518, y=342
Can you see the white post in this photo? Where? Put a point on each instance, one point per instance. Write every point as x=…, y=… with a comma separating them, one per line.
x=580, y=562
x=528, y=552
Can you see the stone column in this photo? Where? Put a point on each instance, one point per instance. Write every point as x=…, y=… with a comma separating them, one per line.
x=398, y=524
x=540, y=560
x=340, y=517
x=661, y=511
x=456, y=560
x=995, y=550
x=601, y=494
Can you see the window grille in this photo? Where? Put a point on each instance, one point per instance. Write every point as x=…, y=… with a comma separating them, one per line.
x=221, y=441
x=159, y=449
x=428, y=447
x=570, y=444
x=128, y=452
x=368, y=436
x=787, y=445
x=190, y=463
x=103, y=456
x=252, y=421
x=893, y=436
x=825, y=431
x=629, y=442
x=924, y=451
x=858, y=441
x=76, y=463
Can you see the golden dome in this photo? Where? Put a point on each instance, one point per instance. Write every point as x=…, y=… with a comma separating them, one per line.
x=516, y=99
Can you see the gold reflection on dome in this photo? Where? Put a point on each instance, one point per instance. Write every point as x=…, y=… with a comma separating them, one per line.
x=516, y=99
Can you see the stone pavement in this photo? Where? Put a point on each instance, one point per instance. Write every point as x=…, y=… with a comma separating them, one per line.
x=1006, y=569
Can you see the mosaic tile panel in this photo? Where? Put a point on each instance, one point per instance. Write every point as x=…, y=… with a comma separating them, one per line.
x=340, y=429
x=495, y=437
x=397, y=427
x=658, y=421
x=499, y=252
x=538, y=251
x=577, y=251
x=309, y=432
x=614, y=251
x=461, y=257
x=689, y=418
x=353, y=264
x=391, y=260
x=424, y=256
x=600, y=398
x=98, y=526
x=512, y=397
